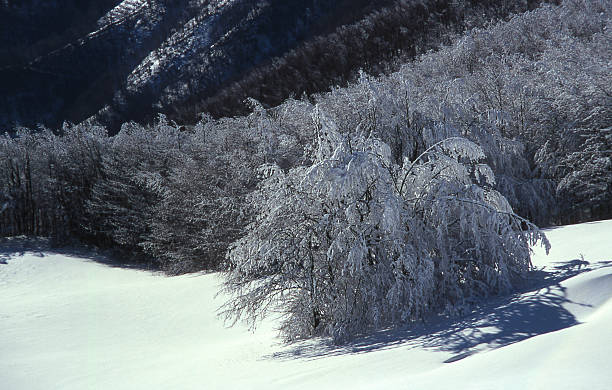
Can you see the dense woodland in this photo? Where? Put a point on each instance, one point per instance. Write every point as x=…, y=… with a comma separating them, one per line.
x=375, y=204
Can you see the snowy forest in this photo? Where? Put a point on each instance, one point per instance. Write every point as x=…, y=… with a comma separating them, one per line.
x=377, y=203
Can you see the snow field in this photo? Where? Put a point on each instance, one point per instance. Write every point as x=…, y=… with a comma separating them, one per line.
x=68, y=322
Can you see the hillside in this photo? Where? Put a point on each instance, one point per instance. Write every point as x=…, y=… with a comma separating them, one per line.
x=65, y=62
x=73, y=321
x=117, y=61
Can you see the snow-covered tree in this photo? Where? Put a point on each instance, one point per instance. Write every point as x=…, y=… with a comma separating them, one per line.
x=355, y=241
x=200, y=208
x=74, y=165
x=587, y=183
x=134, y=169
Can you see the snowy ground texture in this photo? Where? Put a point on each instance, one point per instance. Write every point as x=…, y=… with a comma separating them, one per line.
x=70, y=322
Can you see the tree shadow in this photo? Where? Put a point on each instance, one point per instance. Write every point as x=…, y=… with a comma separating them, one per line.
x=41, y=247
x=18, y=246
x=537, y=308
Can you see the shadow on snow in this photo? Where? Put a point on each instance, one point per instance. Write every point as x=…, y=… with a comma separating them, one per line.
x=18, y=246
x=535, y=309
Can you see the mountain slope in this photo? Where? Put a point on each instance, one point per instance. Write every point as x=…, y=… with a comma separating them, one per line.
x=115, y=61
x=135, y=54
x=68, y=76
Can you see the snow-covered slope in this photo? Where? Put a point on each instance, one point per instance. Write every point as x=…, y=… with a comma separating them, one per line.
x=69, y=322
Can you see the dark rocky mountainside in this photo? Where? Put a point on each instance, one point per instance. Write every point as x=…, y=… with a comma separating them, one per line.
x=111, y=61
x=124, y=60
x=68, y=74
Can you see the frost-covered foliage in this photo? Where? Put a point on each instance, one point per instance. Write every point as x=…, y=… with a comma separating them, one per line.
x=46, y=180
x=525, y=90
x=163, y=193
x=355, y=241
x=535, y=80
x=201, y=207
x=587, y=173
x=134, y=169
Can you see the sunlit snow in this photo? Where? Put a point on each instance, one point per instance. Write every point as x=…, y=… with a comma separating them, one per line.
x=72, y=322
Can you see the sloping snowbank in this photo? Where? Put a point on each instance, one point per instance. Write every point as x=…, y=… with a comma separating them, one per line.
x=72, y=323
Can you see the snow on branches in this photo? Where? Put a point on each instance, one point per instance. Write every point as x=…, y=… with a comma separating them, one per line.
x=355, y=241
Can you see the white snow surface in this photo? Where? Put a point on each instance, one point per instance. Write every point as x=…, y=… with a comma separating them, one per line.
x=71, y=322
